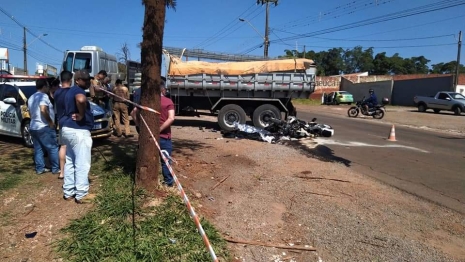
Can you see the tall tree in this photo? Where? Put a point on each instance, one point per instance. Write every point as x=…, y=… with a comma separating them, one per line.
x=148, y=159
x=124, y=54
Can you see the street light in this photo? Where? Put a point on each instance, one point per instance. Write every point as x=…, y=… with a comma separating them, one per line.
x=25, y=45
x=265, y=38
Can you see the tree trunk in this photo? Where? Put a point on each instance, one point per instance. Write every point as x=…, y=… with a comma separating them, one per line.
x=148, y=158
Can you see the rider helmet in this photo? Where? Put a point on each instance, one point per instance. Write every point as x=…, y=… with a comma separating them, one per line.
x=371, y=91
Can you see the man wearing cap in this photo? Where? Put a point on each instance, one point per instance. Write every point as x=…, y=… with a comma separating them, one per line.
x=96, y=94
x=77, y=121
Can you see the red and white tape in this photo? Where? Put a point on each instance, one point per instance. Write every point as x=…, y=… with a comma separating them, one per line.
x=129, y=101
x=184, y=196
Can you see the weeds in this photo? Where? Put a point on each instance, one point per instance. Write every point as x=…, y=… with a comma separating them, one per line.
x=117, y=230
x=301, y=101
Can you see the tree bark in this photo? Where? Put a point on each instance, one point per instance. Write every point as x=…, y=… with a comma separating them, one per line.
x=148, y=158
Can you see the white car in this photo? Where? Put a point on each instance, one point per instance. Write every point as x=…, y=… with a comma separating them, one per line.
x=15, y=118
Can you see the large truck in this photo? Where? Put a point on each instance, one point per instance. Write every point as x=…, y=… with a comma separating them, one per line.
x=260, y=90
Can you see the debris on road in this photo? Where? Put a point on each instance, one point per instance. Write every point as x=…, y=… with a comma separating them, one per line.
x=280, y=130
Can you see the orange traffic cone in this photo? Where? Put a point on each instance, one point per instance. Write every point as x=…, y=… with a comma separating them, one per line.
x=392, y=135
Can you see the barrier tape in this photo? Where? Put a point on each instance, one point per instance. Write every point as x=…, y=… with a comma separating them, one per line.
x=129, y=101
x=184, y=196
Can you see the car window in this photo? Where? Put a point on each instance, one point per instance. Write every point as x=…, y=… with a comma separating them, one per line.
x=10, y=91
x=457, y=96
x=2, y=87
x=28, y=91
x=442, y=96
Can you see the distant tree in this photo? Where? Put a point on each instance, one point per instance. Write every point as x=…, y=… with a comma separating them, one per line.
x=148, y=159
x=381, y=64
x=358, y=60
x=446, y=68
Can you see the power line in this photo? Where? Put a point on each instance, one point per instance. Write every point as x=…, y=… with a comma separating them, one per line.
x=384, y=18
x=379, y=47
x=346, y=9
x=28, y=30
x=373, y=40
x=225, y=28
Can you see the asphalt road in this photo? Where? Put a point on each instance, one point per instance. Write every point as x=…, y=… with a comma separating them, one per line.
x=424, y=163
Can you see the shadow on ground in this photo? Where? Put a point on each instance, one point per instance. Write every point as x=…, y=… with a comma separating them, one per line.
x=320, y=152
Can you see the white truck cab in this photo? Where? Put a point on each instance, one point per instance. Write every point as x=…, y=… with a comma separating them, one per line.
x=93, y=59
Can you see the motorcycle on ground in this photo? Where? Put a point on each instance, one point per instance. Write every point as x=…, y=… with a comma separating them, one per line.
x=376, y=112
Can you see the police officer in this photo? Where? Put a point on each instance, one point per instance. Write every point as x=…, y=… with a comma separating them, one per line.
x=120, y=109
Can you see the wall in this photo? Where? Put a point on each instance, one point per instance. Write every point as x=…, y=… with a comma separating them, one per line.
x=325, y=84
x=359, y=90
x=404, y=90
x=460, y=89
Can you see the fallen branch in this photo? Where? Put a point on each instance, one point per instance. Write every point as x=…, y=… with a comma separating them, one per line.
x=318, y=194
x=256, y=243
x=219, y=183
x=323, y=178
x=28, y=212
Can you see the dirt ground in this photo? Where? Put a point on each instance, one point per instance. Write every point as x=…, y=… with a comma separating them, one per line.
x=271, y=193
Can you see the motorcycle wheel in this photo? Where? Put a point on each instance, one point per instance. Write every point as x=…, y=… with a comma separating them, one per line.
x=379, y=114
x=352, y=112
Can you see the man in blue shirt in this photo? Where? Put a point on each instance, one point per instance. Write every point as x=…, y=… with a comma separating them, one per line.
x=76, y=122
x=371, y=101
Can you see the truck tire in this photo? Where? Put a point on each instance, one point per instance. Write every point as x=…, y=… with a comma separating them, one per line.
x=457, y=110
x=229, y=114
x=422, y=107
x=26, y=134
x=262, y=114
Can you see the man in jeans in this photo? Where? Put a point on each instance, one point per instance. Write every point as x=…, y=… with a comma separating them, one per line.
x=77, y=121
x=166, y=119
x=42, y=128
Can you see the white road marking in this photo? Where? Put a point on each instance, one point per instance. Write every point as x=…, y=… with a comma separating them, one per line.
x=312, y=143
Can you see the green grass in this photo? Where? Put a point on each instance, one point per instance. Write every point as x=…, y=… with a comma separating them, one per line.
x=301, y=101
x=117, y=230
x=15, y=165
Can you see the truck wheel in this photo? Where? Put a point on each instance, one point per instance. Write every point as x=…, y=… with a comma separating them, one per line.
x=229, y=114
x=263, y=114
x=26, y=134
x=421, y=108
x=457, y=110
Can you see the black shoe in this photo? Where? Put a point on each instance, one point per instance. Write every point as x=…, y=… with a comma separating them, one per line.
x=68, y=198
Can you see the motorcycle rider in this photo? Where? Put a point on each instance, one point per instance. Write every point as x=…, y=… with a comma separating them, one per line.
x=371, y=101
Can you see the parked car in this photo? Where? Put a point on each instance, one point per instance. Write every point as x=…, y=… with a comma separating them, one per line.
x=338, y=97
x=449, y=101
x=15, y=118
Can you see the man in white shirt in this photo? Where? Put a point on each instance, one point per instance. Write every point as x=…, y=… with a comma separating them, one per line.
x=42, y=128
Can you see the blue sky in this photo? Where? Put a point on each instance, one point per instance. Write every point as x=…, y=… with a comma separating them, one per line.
x=214, y=26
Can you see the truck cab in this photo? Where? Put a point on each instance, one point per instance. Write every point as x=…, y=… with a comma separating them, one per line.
x=93, y=59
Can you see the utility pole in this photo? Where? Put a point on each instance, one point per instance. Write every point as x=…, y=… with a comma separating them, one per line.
x=457, y=67
x=304, y=51
x=267, y=42
x=25, y=51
